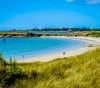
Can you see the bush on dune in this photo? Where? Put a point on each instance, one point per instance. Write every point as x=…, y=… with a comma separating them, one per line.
x=9, y=72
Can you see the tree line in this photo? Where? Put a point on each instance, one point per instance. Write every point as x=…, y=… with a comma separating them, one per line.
x=59, y=29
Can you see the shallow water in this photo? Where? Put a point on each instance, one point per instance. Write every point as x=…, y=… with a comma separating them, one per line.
x=25, y=47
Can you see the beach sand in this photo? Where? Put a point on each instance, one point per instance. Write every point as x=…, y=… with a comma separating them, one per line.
x=90, y=44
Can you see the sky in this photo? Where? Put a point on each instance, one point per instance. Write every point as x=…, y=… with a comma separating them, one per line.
x=27, y=14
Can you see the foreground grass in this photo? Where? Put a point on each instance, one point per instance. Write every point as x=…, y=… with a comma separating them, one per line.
x=81, y=71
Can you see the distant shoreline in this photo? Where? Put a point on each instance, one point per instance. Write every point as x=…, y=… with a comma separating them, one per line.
x=90, y=44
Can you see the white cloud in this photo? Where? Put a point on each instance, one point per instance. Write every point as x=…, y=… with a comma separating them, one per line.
x=69, y=1
x=86, y=1
x=92, y=1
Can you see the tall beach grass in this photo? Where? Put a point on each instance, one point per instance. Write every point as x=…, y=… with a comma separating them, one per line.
x=81, y=71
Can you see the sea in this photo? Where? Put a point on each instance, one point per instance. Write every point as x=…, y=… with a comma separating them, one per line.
x=18, y=48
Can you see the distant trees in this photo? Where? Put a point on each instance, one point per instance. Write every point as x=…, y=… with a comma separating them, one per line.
x=64, y=29
x=57, y=29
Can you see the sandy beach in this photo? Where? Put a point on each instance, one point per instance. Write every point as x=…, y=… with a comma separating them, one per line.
x=90, y=44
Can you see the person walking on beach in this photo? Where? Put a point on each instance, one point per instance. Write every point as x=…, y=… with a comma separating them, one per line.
x=64, y=53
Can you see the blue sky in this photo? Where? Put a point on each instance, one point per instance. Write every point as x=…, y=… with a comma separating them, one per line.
x=24, y=14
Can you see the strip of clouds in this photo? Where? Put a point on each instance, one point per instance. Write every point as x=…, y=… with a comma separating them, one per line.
x=92, y=1
x=70, y=1
x=86, y=1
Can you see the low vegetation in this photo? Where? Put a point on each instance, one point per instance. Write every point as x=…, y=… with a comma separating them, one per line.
x=81, y=71
x=54, y=32
x=94, y=34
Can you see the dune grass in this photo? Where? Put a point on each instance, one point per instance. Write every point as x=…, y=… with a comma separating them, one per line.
x=81, y=71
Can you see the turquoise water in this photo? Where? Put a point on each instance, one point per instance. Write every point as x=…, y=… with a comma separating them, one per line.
x=25, y=47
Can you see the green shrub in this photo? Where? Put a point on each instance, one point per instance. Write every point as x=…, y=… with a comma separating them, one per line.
x=9, y=72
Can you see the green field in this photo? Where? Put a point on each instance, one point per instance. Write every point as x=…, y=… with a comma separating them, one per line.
x=81, y=71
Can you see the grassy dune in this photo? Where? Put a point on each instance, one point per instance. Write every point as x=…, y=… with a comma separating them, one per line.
x=81, y=71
